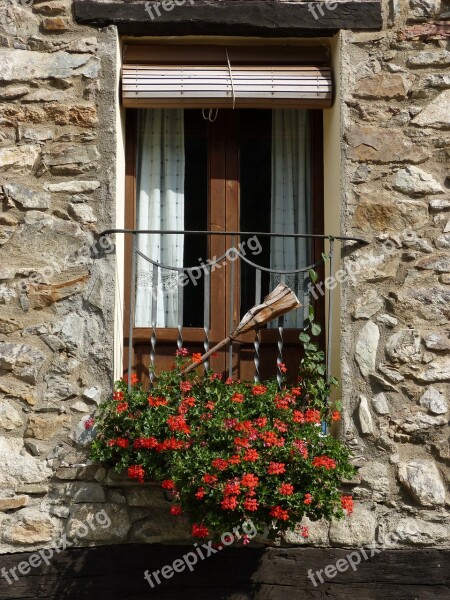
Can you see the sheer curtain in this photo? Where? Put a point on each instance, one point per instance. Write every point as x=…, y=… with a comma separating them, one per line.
x=291, y=187
x=160, y=205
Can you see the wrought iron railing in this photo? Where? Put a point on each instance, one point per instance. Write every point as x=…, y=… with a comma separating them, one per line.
x=297, y=278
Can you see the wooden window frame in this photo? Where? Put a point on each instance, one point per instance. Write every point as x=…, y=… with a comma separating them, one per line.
x=224, y=174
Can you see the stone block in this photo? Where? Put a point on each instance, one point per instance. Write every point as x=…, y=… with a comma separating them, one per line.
x=423, y=481
x=358, y=529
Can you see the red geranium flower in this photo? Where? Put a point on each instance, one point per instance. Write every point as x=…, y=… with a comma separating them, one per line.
x=199, y=530
x=182, y=352
x=201, y=493
x=258, y=390
x=229, y=503
x=136, y=472
x=276, y=468
x=197, y=357
x=336, y=415
x=260, y=422
x=89, y=424
x=234, y=460
x=156, y=401
x=219, y=463
x=145, y=443
x=249, y=480
x=298, y=417
x=324, y=461
x=118, y=396
x=178, y=423
x=282, y=367
x=286, y=489
x=347, y=504
x=312, y=416
x=121, y=407
x=176, y=510
x=168, y=484
x=185, y=386
x=279, y=513
x=232, y=488
x=237, y=398
x=307, y=499
x=251, y=504
x=210, y=479
x=300, y=445
x=250, y=455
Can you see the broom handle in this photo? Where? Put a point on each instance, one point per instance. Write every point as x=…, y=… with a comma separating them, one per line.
x=218, y=346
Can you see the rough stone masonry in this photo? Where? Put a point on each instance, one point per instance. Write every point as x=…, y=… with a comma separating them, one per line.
x=58, y=142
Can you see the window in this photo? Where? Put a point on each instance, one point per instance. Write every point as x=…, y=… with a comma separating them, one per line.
x=249, y=170
x=223, y=140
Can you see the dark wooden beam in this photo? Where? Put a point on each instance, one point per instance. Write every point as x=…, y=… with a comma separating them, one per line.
x=266, y=18
x=117, y=572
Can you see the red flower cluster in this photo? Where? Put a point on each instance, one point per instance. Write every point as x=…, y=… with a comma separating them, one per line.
x=300, y=446
x=197, y=357
x=168, y=484
x=219, y=463
x=229, y=503
x=324, y=461
x=279, y=513
x=201, y=493
x=176, y=510
x=232, y=488
x=182, y=352
x=145, y=443
x=89, y=423
x=251, y=455
x=134, y=379
x=119, y=442
x=312, y=416
x=121, y=407
x=185, y=386
x=199, y=530
x=258, y=390
x=307, y=499
x=237, y=398
x=178, y=423
x=210, y=479
x=286, y=489
x=118, y=396
x=156, y=401
x=276, y=468
x=249, y=480
x=336, y=416
x=136, y=472
x=347, y=504
x=251, y=504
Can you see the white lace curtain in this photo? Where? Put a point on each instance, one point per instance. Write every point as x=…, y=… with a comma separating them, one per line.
x=160, y=205
x=291, y=211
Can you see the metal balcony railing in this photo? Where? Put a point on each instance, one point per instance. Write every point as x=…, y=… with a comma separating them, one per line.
x=253, y=277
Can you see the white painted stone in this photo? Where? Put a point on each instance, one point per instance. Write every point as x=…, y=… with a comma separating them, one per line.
x=380, y=404
x=415, y=181
x=366, y=348
x=10, y=418
x=365, y=416
x=434, y=401
x=423, y=480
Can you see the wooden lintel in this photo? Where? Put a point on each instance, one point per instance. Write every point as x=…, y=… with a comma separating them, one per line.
x=266, y=18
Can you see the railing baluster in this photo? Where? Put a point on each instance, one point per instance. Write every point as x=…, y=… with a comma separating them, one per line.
x=180, y=300
x=230, y=346
x=257, y=341
x=153, y=338
x=330, y=321
x=206, y=312
x=133, y=292
x=280, y=342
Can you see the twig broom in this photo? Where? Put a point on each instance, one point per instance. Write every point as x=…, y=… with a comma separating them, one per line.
x=279, y=302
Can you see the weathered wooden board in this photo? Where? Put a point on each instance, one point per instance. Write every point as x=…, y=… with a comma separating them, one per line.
x=117, y=573
x=232, y=17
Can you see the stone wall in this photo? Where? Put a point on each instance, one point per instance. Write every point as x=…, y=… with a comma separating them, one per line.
x=395, y=317
x=58, y=136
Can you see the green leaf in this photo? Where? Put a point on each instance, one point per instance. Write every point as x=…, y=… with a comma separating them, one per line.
x=313, y=275
x=316, y=328
x=304, y=337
